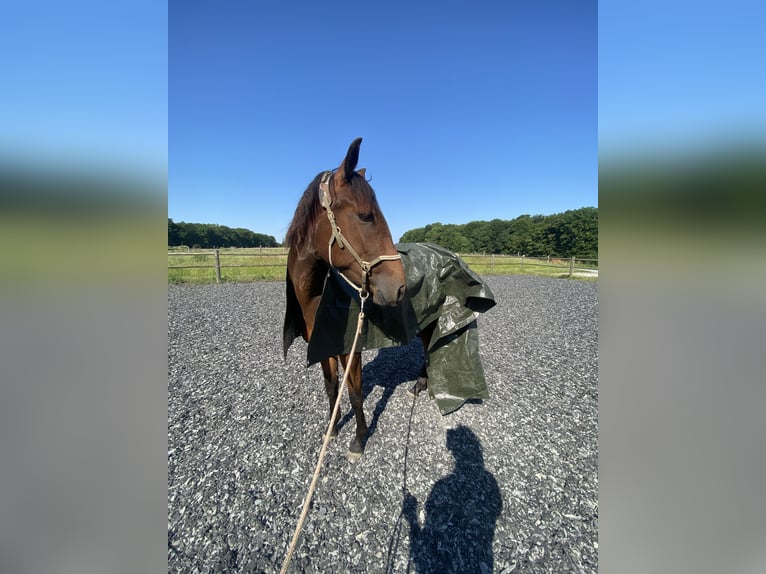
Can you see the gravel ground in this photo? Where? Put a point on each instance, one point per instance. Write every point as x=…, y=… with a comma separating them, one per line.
x=505, y=485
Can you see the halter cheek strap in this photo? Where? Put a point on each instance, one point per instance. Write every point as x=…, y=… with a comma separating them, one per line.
x=337, y=235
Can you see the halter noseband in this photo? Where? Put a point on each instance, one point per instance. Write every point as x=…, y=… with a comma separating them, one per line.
x=337, y=235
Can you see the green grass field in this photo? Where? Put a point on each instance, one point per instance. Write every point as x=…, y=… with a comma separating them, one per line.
x=268, y=264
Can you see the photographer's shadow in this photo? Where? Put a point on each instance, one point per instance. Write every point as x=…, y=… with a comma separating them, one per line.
x=460, y=514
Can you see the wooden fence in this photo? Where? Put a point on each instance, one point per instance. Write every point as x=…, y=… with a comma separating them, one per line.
x=272, y=262
x=497, y=263
x=263, y=258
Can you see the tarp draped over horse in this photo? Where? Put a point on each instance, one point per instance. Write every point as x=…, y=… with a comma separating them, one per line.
x=442, y=292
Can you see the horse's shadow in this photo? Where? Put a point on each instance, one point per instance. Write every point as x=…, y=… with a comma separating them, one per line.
x=391, y=367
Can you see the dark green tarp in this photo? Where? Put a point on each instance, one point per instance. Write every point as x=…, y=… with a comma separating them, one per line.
x=441, y=289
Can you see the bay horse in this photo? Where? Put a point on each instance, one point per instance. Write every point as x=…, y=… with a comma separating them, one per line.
x=338, y=224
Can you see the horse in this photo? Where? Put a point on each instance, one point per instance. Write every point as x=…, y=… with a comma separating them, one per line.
x=338, y=224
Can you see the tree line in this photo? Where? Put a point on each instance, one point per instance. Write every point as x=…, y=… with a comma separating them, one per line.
x=568, y=234
x=209, y=236
x=572, y=233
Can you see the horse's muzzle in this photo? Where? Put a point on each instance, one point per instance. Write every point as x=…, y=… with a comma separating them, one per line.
x=388, y=289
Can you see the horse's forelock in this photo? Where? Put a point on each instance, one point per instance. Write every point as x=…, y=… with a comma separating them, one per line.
x=363, y=192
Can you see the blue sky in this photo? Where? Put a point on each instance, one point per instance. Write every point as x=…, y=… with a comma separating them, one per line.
x=469, y=111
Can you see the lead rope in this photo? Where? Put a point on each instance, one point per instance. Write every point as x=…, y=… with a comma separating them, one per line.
x=325, y=443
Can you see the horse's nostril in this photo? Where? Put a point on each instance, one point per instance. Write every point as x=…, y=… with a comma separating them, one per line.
x=400, y=293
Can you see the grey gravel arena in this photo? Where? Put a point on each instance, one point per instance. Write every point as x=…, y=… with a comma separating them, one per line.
x=516, y=491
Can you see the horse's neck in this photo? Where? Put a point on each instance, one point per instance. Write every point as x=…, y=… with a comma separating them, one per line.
x=318, y=274
x=308, y=274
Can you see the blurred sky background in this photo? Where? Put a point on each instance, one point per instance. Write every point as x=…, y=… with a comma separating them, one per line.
x=469, y=111
x=679, y=78
x=85, y=86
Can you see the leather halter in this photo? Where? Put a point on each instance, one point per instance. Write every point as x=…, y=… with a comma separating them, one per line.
x=337, y=235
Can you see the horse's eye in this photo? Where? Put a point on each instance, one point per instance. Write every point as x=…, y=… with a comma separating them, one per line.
x=365, y=216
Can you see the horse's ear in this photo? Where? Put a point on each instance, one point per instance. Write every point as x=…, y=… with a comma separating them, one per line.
x=349, y=163
x=362, y=171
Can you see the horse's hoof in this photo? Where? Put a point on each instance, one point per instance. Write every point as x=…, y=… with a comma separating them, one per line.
x=355, y=451
x=420, y=385
x=353, y=456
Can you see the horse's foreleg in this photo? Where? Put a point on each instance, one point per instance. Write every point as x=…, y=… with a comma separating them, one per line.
x=330, y=372
x=422, y=383
x=356, y=448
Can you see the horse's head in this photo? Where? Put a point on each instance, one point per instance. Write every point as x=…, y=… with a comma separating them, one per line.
x=355, y=233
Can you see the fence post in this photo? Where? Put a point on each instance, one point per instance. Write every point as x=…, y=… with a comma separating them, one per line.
x=571, y=266
x=493, y=262
x=217, y=267
x=522, y=264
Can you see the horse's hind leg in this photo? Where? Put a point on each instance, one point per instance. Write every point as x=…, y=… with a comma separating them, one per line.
x=356, y=448
x=421, y=384
x=330, y=373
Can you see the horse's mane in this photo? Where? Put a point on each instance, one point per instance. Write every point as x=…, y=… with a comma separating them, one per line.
x=305, y=215
x=309, y=209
